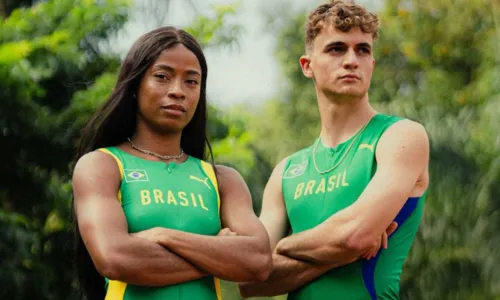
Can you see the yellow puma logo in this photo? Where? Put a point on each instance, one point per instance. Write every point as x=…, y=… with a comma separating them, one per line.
x=367, y=146
x=205, y=182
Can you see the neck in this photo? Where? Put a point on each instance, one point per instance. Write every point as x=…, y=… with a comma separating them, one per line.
x=340, y=120
x=159, y=143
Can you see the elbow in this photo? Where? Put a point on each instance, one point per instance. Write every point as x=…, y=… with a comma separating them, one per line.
x=259, y=264
x=263, y=275
x=107, y=265
x=265, y=267
x=109, y=272
x=260, y=267
x=358, y=243
x=247, y=290
x=355, y=236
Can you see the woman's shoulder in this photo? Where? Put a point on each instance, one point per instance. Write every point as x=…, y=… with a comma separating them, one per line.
x=96, y=162
x=228, y=177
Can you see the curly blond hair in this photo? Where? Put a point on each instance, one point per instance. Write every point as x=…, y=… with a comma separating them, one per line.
x=344, y=15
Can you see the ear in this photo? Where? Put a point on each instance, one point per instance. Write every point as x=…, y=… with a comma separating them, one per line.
x=305, y=65
x=373, y=62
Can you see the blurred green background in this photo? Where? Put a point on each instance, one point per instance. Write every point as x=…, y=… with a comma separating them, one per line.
x=437, y=63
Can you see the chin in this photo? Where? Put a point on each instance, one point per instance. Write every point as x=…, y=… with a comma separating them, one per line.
x=173, y=128
x=350, y=92
x=169, y=127
x=169, y=131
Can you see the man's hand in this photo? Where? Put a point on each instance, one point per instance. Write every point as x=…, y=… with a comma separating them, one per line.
x=381, y=242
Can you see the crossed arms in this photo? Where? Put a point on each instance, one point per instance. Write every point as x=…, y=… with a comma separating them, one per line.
x=161, y=256
x=402, y=172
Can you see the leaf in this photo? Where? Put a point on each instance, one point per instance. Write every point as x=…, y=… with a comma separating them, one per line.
x=14, y=51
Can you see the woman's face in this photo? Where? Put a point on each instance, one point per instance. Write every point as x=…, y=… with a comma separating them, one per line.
x=169, y=91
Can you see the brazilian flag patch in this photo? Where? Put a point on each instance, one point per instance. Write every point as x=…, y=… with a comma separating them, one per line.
x=133, y=175
x=295, y=170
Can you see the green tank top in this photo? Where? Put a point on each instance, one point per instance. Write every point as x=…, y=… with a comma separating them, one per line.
x=311, y=197
x=178, y=196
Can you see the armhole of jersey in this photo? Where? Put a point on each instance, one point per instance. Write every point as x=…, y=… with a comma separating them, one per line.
x=209, y=170
x=384, y=129
x=285, y=168
x=375, y=145
x=120, y=167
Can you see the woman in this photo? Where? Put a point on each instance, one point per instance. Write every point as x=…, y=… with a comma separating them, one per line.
x=149, y=211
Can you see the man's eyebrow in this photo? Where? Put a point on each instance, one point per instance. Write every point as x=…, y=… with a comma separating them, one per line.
x=335, y=44
x=342, y=44
x=366, y=45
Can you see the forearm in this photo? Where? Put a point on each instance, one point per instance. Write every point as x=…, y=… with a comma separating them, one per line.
x=323, y=244
x=234, y=258
x=145, y=263
x=288, y=274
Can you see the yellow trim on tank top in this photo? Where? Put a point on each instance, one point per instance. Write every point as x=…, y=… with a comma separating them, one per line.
x=209, y=170
x=217, y=288
x=118, y=161
x=116, y=290
x=120, y=167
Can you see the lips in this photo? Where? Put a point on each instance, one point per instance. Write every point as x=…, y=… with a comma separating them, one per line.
x=176, y=107
x=350, y=76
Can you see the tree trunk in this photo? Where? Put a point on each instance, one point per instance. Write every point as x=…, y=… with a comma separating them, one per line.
x=3, y=9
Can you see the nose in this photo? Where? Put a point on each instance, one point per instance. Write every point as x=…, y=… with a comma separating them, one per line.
x=175, y=90
x=350, y=60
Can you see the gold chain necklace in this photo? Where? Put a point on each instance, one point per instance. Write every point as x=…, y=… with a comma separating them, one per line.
x=343, y=156
x=162, y=157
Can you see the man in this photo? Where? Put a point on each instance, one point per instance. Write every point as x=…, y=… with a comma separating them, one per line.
x=365, y=171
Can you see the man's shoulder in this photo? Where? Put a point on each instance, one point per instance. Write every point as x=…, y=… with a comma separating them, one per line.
x=405, y=134
x=295, y=163
x=301, y=154
x=403, y=126
x=392, y=124
x=387, y=119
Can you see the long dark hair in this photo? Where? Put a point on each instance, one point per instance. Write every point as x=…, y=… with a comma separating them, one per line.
x=116, y=120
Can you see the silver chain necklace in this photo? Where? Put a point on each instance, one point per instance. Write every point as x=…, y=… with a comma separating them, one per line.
x=162, y=157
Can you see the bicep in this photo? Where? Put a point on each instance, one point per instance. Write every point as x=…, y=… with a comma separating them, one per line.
x=100, y=217
x=273, y=214
x=236, y=204
x=402, y=160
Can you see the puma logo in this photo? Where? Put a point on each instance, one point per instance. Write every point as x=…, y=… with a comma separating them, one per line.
x=367, y=146
x=205, y=182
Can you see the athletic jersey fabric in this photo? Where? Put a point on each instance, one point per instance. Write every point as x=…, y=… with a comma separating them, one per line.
x=311, y=197
x=177, y=196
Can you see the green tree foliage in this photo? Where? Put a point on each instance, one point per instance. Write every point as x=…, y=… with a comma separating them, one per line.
x=444, y=73
x=47, y=55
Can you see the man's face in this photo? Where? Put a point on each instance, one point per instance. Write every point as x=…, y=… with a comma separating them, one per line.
x=340, y=63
